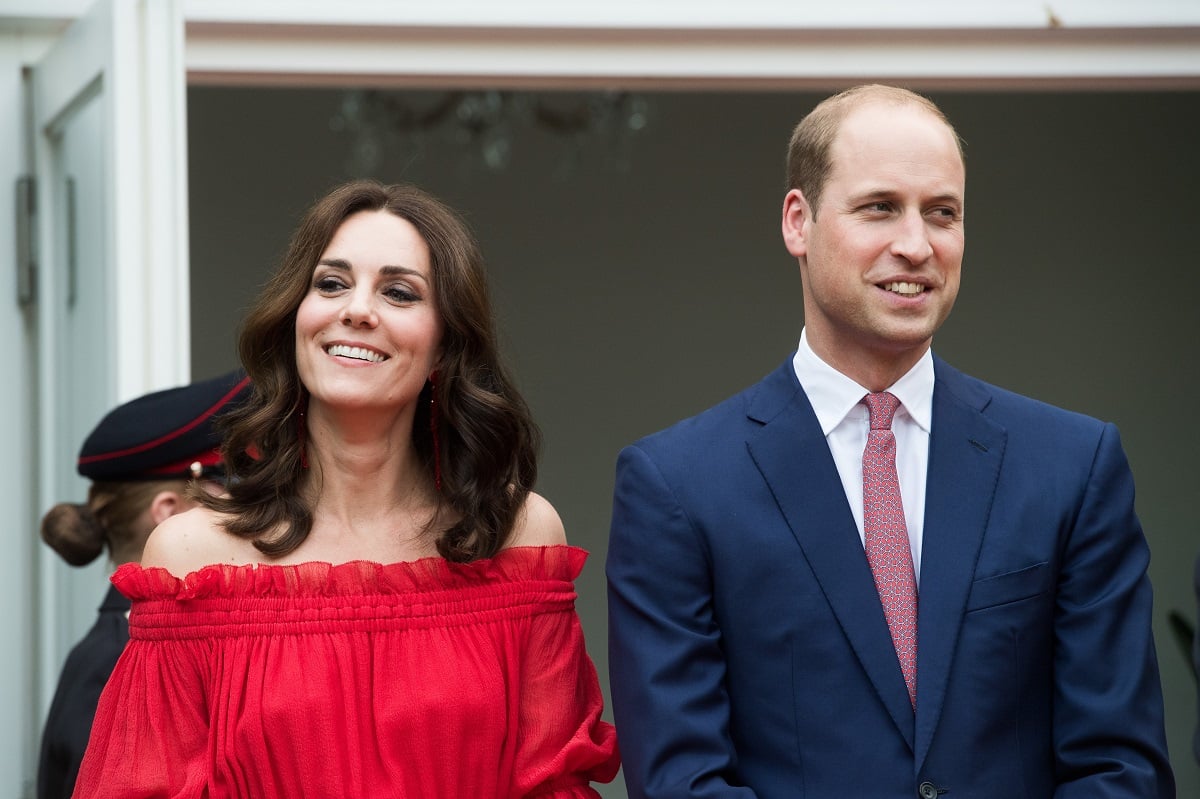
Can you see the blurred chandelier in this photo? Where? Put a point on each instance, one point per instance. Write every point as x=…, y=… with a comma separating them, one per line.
x=487, y=126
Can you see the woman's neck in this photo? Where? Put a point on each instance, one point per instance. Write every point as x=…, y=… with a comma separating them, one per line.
x=365, y=474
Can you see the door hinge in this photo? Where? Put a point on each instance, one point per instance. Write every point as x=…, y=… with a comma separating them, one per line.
x=26, y=204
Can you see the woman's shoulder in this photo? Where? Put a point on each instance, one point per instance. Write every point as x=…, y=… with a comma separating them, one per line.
x=189, y=541
x=538, y=524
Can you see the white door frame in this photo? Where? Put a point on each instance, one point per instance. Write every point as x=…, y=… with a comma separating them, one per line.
x=103, y=57
x=712, y=44
x=753, y=44
x=120, y=62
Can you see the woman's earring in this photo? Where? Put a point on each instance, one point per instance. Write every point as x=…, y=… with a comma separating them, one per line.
x=302, y=427
x=433, y=431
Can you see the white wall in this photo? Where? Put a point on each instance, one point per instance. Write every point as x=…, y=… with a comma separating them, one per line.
x=19, y=724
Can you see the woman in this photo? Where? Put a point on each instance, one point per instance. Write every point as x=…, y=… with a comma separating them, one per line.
x=380, y=606
x=140, y=459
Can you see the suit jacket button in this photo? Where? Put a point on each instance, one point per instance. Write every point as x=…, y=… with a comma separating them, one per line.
x=927, y=790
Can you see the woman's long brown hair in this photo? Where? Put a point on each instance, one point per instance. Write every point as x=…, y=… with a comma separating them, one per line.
x=487, y=441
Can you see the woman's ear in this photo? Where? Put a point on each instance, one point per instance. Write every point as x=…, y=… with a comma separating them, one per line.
x=166, y=504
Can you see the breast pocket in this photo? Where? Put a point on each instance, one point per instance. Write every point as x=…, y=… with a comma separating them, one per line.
x=1014, y=586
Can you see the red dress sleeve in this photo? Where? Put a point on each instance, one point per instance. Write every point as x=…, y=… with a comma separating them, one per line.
x=562, y=745
x=150, y=734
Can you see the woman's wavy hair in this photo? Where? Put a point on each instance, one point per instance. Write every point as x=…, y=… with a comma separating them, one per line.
x=487, y=441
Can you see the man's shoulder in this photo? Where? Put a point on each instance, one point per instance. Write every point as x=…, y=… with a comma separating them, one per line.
x=729, y=418
x=1008, y=407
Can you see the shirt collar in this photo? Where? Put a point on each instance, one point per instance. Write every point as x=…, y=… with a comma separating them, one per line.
x=834, y=396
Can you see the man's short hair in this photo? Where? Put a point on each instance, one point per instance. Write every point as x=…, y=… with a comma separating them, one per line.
x=808, y=159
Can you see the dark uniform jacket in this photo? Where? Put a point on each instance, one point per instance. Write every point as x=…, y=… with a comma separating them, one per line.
x=83, y=677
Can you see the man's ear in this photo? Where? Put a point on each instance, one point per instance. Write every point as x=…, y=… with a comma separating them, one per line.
x=796, y=218
x=166, y=504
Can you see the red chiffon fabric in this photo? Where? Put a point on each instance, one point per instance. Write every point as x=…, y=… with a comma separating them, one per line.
x=424, y=679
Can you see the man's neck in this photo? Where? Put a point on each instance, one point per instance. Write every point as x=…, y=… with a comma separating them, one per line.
x=873, y=370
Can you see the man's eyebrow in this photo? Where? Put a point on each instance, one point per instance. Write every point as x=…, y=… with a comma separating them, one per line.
x=870, y=195
x=949, y=198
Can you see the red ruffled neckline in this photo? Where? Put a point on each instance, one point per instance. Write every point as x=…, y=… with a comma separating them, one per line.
x=354, y=578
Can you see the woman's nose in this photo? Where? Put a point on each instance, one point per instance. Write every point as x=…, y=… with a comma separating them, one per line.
x=359, y=310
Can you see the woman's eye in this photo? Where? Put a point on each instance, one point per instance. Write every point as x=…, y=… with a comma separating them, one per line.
x=400, y=294
x=328, y=284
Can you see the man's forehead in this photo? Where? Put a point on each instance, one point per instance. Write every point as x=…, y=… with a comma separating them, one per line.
x=906, y=140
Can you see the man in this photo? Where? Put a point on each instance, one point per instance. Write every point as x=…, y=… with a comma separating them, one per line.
x=869, y=575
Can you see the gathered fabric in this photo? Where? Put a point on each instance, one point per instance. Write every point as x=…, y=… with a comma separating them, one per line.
x=422, y=679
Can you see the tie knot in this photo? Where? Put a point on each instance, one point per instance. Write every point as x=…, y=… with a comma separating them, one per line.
x=882, y=406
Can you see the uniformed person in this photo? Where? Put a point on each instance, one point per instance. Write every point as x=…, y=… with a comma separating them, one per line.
x=140, y=458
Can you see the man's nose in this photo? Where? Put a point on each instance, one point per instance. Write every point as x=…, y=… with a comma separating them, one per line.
x=912, y=239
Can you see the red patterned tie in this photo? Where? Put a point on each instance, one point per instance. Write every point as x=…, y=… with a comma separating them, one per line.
x=886, y=536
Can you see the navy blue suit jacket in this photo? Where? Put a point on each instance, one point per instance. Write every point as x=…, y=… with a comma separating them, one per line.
x=748, y=651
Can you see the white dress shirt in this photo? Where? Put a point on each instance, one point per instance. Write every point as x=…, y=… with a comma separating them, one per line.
x=844, y=420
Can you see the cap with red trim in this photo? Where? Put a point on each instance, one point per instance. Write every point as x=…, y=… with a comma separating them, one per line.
x=163, y=435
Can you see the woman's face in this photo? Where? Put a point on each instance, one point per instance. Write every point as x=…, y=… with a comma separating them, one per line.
x=368, y=330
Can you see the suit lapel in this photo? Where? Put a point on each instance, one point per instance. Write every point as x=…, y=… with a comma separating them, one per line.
x=794, y=459
x=966, y=450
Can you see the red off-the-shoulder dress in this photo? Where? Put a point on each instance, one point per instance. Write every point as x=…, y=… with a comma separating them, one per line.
x=424, y=679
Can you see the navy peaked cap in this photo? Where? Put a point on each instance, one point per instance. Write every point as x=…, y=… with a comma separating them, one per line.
x=163, y=435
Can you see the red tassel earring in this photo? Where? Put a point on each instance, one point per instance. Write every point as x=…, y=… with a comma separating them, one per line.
x=302, y=427
x=433, y=430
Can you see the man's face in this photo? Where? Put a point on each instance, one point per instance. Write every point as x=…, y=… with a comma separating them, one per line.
x=880, y=259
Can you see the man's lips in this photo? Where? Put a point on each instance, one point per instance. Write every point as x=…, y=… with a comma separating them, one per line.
x=903, y=288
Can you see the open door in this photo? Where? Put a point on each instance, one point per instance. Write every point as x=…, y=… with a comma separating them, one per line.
x=108, y=300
